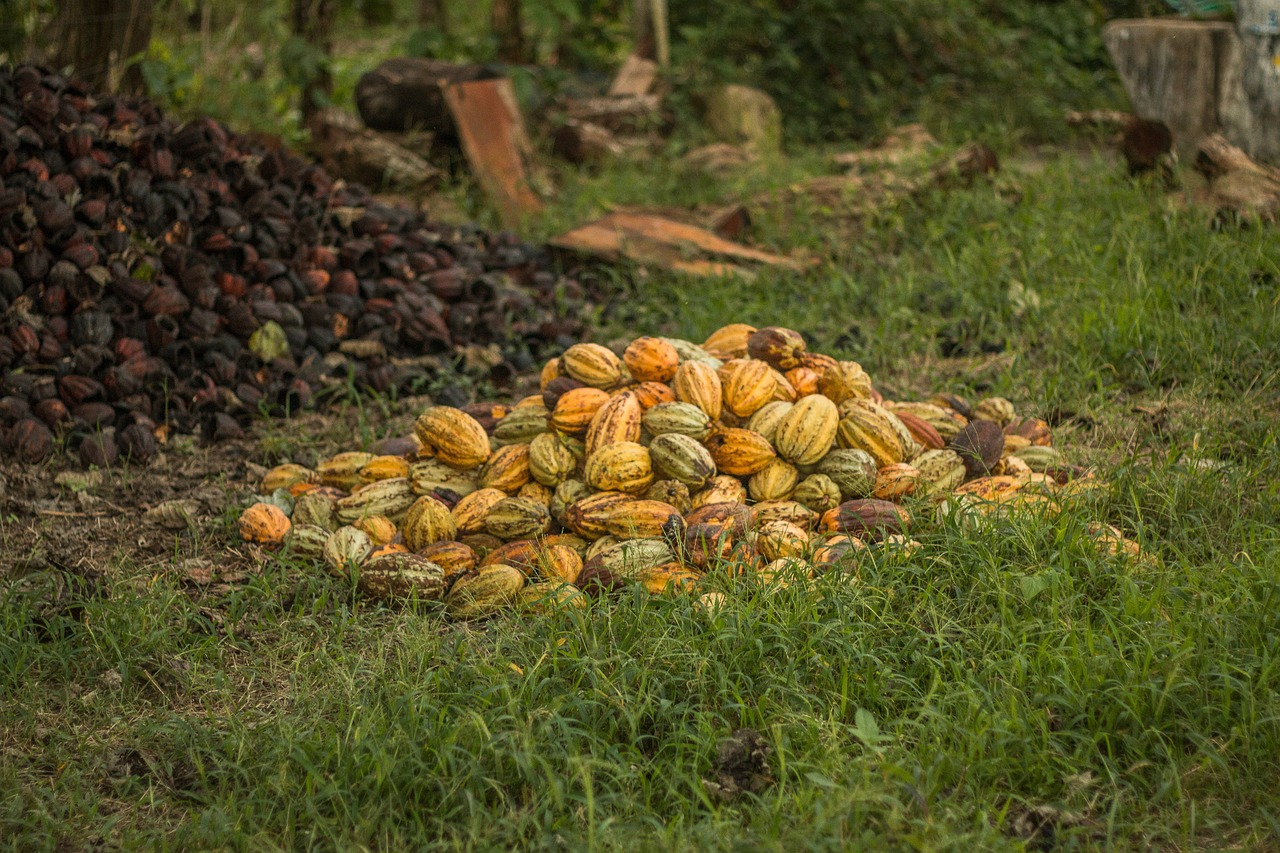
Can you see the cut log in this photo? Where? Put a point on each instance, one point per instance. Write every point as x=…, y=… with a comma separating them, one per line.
x=618, y=115
x=494, y=140
x=352, y=151
x=672, y=245
x=405, y=94
x=1238, y=185
x=635, y=77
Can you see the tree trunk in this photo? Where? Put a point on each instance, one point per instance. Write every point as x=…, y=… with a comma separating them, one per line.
x=505, y=18
x=96, y=38
x=313, y=21
x=432, y=16
x=1259, y=29
x=405, y=94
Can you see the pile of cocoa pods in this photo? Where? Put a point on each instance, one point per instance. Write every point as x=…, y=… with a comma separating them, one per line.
x=159, y=276
x=665, y=465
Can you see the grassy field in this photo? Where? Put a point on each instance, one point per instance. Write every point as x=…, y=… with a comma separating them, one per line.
x=1007, y=687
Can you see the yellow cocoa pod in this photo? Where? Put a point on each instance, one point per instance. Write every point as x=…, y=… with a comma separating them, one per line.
x=697, y=383
x=617, y=421
x=778, y=539
x=679, y=457
x=729, y=341
x=808, y=430
x=391, y=498
x=690, y=351
x=895, y=482
x=507, y=469
x=676, y=417
x=428, y=521
x=996, y=409
x=342, y=471
x=520, y=553
x=550, y=461
x=790, y=511
x=940, y=471
x=380, y=529
x=517, y=518
x=566, y=495
x=490, y=590
x=865, y=428
x=536, y=492
x=559, y=563
x=593, y=365
x=783, y=390
x=471, y=510
x=521, y=425
x=284, y=476
x=747, y=386
x=671, y=492
x=767, y=418
x=630, y=557
x=551, y=596
x=674, y=577
x=551, y=370
x=384, y=468
x=780, y=347
x=453, y=557
x=264, y=524
x=588, y=515
x=776, y=481
x=651, y=360
x=643, y=519
x=817, y=492
x=457, y=438
x=622, y=467
x=720, y=490
x=843, y=380
x=783, y=572
x=740, y=452
x=430, y=476
x=576, y=408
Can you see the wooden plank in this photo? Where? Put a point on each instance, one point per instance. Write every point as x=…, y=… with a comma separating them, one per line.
x=635, y=77
x=496, y=144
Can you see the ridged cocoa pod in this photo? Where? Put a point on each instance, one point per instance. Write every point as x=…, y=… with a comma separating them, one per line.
x=940, y=471
x=623, y=467
x=747, y=386
x=517, y=518
x=490, y=590
x=707, y=544
x=852, y=470
x=818, y=492
x=400, y=577
x=679, y=457
x=996, y=409
x=729, y=341
x=593, y=365
x=979, y=445
x=807, y=430
x=845, y=380
x=671, y=492
x=264, y=524
x=651, y=360
x=866, y=518
x=1034, y=430
x=720, y=489
x=780, y=347
x=921, y=430
x=427, y=521
x=737, y=518
x=575, y=409
x=507, y=469
x=697, y=383
x=30, y=441
x=776, y=481
x=588, y=516
x=458, y=439
x=643, y=519
x=676, y=417
x=615, y=422
x=470, y=512
x=740, y=452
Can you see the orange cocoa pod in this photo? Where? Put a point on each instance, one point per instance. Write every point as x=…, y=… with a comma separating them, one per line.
x=651, y=360
x=575, y=409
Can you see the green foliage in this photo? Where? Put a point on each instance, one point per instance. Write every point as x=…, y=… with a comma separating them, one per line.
x=839, y=68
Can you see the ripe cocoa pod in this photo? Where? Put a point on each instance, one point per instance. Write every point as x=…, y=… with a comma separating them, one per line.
x=651, y=360
x=550, y=461
x=780, y=347
x=671, y=492
x=944, y=421
x=559, y=563
x=783, y=572
x=615, y=422
x=643, y=519
x=550, y=596
x=979, y=445
x=778, y=539
x=428, y=521
x=650, y=394
x=996, y=409
x=851, y=469
x=490, y=590
x=458, y=439
x=679, y=457
x=384, y=468
x=391, y=498
x=521, y=425
x=845, y=380
x=697, y=383
x=264, y=524
x=380, y=529
x=865, y=427
x=550, y=371
x=517, y=518
x=537, y=493
x=630, y=557
x=720, y=489
x=729, y=341
x=679, y=418
x=623, y=467
x=866, y=518
x=431, y=476
x=767, y=419
x=940, y=471
x=740, y=452
x=343, y=470
x=776, y=481
x=284, y=476
x=519, y=553
x=747, y=386
x=707, y=544
x=737, y=518
x=808, y=430
x=593, y=365
x=575, y=410
x=803, y=380
x=790, y=511
x=1034, y=430
x=453, y=557
x=831, y=550
x=922, y=431
x=507, y=469
x=346, y=547
x=399, y=577
x=818, y=492
x=314, y=508
x=1041, y=458
x=306, y=540
x=894, y=482
x=669, y=578
x=470, y=512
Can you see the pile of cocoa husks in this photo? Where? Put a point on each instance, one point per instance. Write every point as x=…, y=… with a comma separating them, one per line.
x=159, y=276
x=666, y=465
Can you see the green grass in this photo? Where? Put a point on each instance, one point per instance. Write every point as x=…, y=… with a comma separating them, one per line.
x=934, y=703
